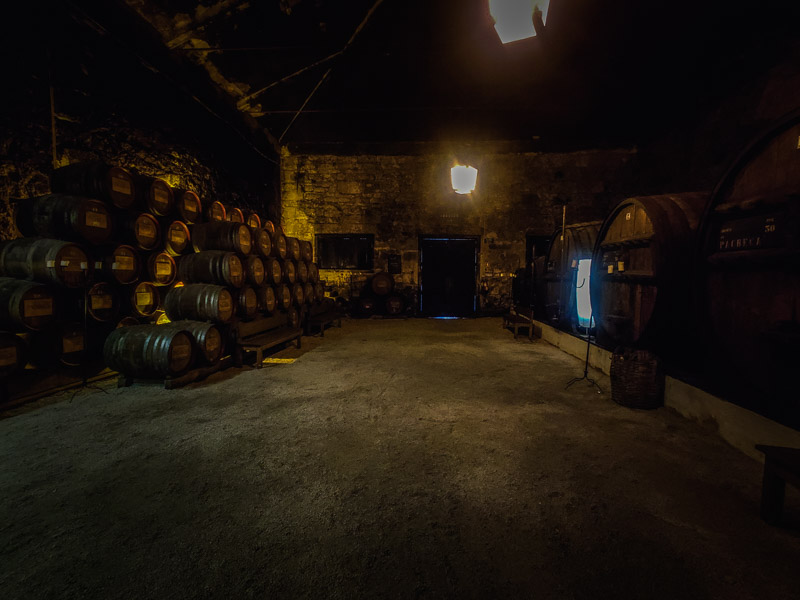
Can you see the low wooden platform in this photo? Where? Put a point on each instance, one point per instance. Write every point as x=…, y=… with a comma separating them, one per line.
x=262, y=334
x=171, y=383
x=321, y=320
x=516, y=319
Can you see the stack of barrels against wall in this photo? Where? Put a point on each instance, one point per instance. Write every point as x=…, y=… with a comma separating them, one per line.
x=122, y=270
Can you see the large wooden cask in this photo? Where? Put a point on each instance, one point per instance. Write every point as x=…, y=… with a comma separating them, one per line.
x=13, y=354
x=25, y=305
x=212, y=266
x=121, y=265
x=64, y=344
x=750, y=275
x=142, y=230
x=154, y=195
x=149, y=351
x=144, y=299
x=177, y=239
x=199, y=302
x=222, y=235
x=46, y=261
x=208, y=339
x=567, y=248
x=64, y=217
x=188, y=206
x=161, y=268
x=97, y=180
x=641, y=277
x=262, y=242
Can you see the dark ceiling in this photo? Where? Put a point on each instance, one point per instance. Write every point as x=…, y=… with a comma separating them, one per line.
x=606, y=71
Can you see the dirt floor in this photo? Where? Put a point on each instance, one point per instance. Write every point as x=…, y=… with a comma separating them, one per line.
x=392, y=459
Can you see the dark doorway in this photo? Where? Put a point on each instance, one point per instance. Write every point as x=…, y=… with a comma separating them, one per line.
x=448, y=274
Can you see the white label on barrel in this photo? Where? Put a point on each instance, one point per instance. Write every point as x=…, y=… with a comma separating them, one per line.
x=620, y=266
x=144, y=298
x=627, y=216
x=84, y=266
x=145, y=228
x=123, y=186
x=181, y=351
x=73, y=343
x=224, y=303
x=610, y=268
x=163, y=267
x=50, y=264
x=123, y=263
x=574, y=264
x=102, y=301
x=8, y=356
x=94, y=219
x=177, y=235
x=38, y=308
x=161, y=197
x=98, y=264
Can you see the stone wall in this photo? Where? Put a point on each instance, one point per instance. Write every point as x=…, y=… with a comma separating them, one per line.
x=398, y=198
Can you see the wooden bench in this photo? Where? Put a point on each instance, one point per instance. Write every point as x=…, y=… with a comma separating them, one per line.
x=323, y=319
x=517, y=319
x=262, y=334
x=781, y=465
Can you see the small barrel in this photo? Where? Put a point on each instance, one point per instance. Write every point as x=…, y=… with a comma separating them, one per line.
x=121, y=266
x=188, y=206
x=102, y=302
x=234, y=215
x=234, y=237
x=207, y=337
x=25, y=305
x=273, y=270
x=269, y=226
x=294, y=317
x=246, y=302
x=306, y=251
x=319, y=291
x=13, y=354
x=64, y=217
x=293, y=248
x=145, y=299
x=216, y=212
x=149, y=351
x=308, y=293
x=45, y=260
x=289, y=271
x=279, y=248
x=199, y=302
x=252, y=220
x=161, y=268
x=394, y=305
x=212, y=266
x=302, y=271
x=267, y=301
x=127, y=322
x=64, y=345
x=96, y=180
x=382, y=283
x=313, y=272
x=254, y=270
x=176, y=238
x=283, y=295
x=154, y=195
x=366, y=305
x=262, y=243
x=142, y=230
x=298, y=294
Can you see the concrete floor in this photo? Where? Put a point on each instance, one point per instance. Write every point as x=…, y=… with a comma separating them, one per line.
x=393, y=459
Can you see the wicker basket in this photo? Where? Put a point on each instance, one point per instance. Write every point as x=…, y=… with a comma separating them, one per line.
x=637, y=379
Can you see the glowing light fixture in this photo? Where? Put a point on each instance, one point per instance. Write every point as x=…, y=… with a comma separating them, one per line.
x=513, y=19
x=464, y=179
x=582, y=293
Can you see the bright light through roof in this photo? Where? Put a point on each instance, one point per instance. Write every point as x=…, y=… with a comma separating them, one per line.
x=464, y=179
x=514, y=18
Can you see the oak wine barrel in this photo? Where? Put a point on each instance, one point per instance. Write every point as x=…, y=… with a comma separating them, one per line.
x=279, y=247
x=161, y=268
x=64, y=217
x=302, y=272
x=382, y=283
x=309, y=294
x=246, y=302
x=144, y=299
x=127, y=322
x=64, y=344
x=319, y=291
x=289, y=271
x=366, y=305
x=216, y=212
x=154, y=195
x=212, y=266
x=294, y=317
x=298, y=294
x=199, y=302
x=313, y=272
x=749, y=280
x=101, y=302
x=641, y=274
x=142, y=230
x=273, y=270
x=252, y=220
x=293, y=248
x=561, y=271
x=149, y=351
x=96, y=180
x=306, y=251
x=234, y=215
x=254, y=270
x=269, y=226
x=283, y=294
x=176, y=238
x=222, y=235
x=188, y=206
x=13, y=353
x=121, y=266
x=208, y=339
x=394, y=305
x=46, y=261
x=262, y=243
x=267, y=301
x=25, y=305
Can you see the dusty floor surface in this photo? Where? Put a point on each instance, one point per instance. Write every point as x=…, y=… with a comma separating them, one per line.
x=393, y=459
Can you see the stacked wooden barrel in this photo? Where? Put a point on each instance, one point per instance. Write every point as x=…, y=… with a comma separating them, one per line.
x=111, y=250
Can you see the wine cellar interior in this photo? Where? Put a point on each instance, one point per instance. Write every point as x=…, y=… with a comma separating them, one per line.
x=381, y=299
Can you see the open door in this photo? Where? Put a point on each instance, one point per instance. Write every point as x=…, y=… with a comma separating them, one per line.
x=448, y=276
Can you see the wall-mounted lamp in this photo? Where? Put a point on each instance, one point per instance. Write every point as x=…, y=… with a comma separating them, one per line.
x=464, y=179
x=514, y=19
